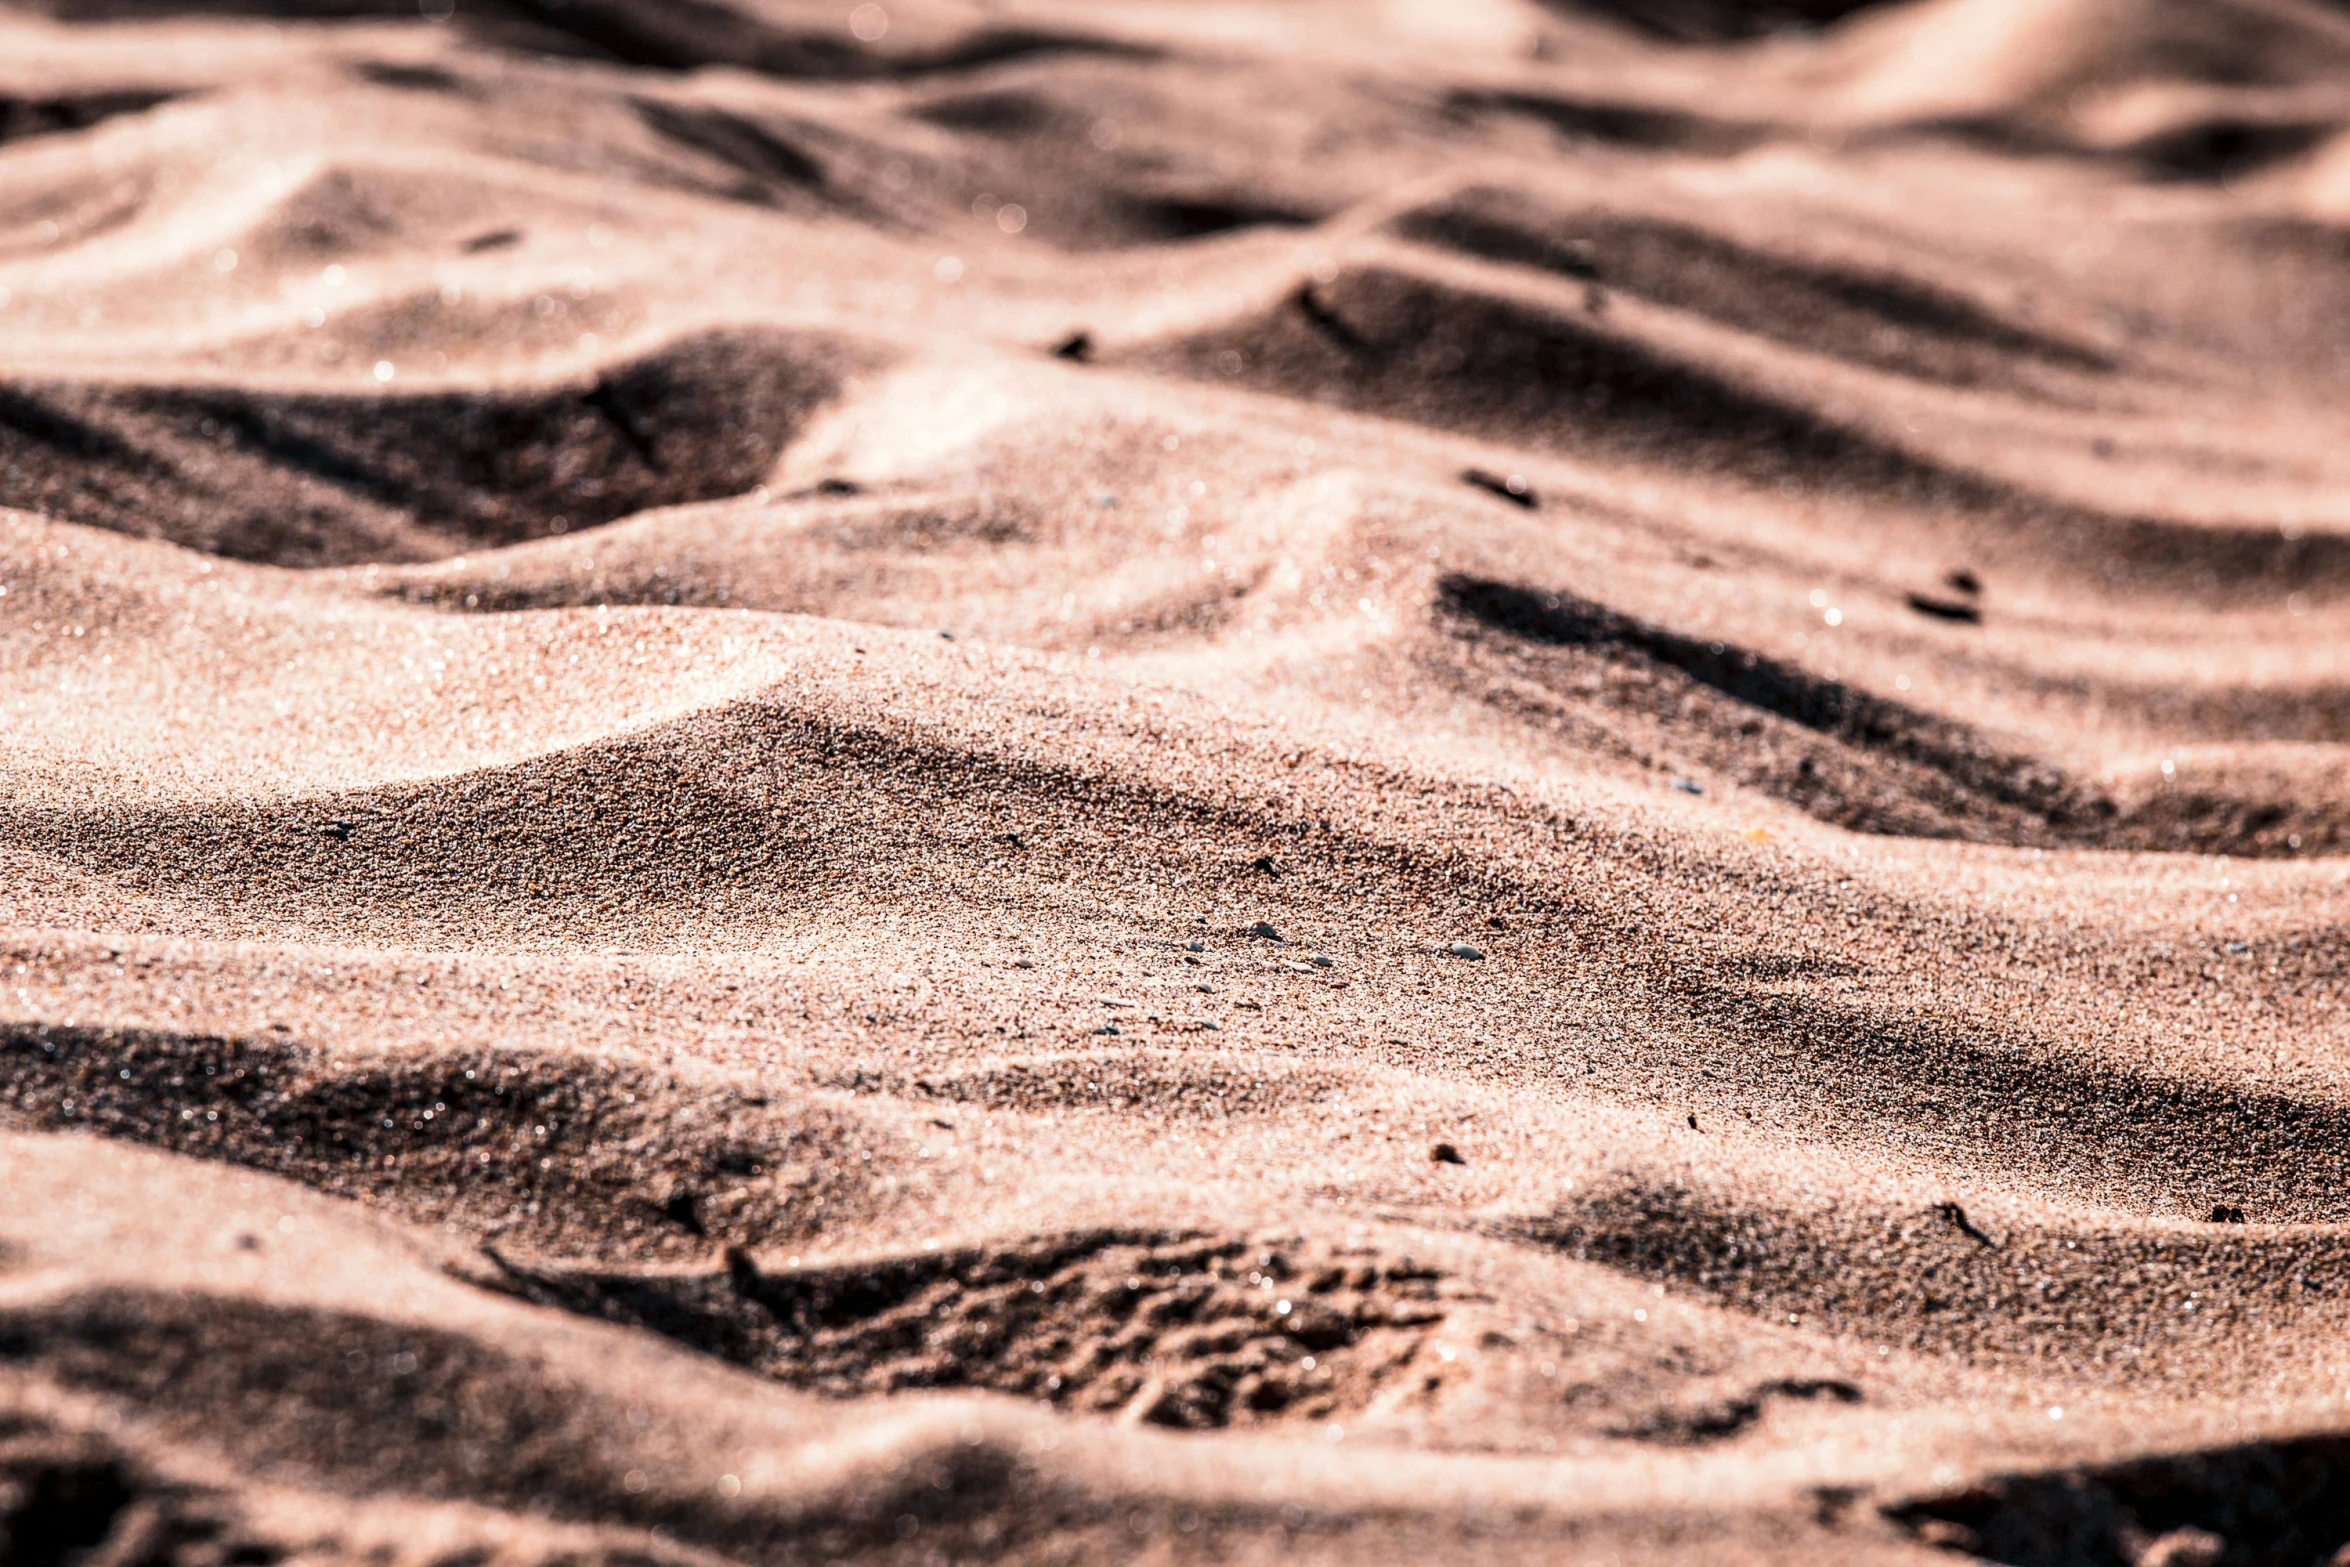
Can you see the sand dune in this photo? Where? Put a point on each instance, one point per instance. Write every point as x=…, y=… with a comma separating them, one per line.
x=1023, y=782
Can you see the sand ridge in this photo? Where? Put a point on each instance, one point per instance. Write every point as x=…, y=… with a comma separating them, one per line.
x=1035, y=783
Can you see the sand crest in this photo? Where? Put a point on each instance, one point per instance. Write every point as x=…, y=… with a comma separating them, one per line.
x=1024, y=782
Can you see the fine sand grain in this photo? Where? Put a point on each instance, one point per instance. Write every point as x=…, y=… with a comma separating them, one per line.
x=1440, y=781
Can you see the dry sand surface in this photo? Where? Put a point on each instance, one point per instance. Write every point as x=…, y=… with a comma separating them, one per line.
x=1423, y=781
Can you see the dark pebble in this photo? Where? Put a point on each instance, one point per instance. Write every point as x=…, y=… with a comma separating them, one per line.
x=1512, y=487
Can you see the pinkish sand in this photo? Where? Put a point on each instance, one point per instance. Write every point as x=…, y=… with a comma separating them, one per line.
x=1444, y=781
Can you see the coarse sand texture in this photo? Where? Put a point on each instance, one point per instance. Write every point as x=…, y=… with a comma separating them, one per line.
x=977, y=782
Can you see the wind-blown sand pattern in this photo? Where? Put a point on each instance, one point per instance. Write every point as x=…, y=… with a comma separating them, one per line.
x=1016, y=781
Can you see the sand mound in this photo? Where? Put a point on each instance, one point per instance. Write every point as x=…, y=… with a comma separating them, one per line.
x=1511, y=369
x=1556, y=371
x=2000, y=59
x=1886, y=768
x=580, y=1158
x=1887, y=321
x=347, y=211
x=785, y=40
x=315, y=479
x=1108, y=158
x=21, y=117
x=1059, y=530
x=1958, y=1282
x=1012, y=783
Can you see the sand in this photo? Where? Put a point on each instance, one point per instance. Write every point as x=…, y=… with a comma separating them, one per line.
x=1016, y=781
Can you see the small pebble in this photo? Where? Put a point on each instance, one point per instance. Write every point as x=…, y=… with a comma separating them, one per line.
x=1461, y=949
x=1322, y=962
x=1687, y=787
x=1265, y=929
x=1511, y=487
x=1446, y=1153
x=1195, y=946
